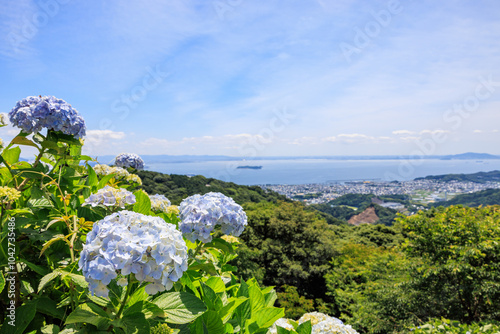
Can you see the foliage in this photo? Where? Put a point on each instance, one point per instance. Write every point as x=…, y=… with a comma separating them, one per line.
x=45, y=227
x=480, y=177
x=365, y=282
x=446, y=326
x=484, y=197
x=286, y=244
x=460, y=252
x=177, y=187
x=294, y=304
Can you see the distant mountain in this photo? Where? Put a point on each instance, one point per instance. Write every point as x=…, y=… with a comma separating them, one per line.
x=470, y=156
x=480, y=177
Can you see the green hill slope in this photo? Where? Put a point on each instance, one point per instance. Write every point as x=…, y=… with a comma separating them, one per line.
x=484, y=197
x=176, y=187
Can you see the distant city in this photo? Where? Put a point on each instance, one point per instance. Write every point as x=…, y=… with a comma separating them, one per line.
x=419, y=191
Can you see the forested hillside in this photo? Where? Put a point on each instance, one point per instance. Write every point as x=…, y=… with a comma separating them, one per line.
x=380, y=279
x=485, y=197
x=176, y=187
x=481, y=177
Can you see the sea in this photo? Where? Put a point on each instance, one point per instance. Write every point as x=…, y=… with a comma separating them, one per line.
x=307, y=171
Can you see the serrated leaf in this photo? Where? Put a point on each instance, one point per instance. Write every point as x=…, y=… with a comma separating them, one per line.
x=77, y=279
x=232, y=303
x=257, y=300
x=24, y=315
x=47, y=278
x=89, y=313
x=21, y=140
x=11, y=155
x=40, y=203
x=135, y=323
x=142, y=202
x=216, y=284
x=304, y=328
x=49, y=307
x=57, y=237
x=180, y=307
x=267, y=316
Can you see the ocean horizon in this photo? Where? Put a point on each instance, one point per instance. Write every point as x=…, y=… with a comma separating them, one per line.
x=314, y=170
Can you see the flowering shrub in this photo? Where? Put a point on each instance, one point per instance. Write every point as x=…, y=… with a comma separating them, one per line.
x=118, y=173
x=159, y=203
x=129, y=160
x=200, y=214
x=111, y=197
x=319, y=323
x=129, y=242
x=8, y=194
x=78, y=262
x=34, y=113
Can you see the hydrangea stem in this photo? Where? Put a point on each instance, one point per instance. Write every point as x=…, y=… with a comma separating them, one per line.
x=125, y=298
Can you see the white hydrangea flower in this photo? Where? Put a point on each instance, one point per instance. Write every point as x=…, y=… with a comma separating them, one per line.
x=324, y=324
x=200, y=214
x=109, y=196
x=127, y=243
x=281, y=322
x=159, y=203
x=119, y=173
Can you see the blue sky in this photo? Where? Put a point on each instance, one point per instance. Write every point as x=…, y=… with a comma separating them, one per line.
x=265, y=78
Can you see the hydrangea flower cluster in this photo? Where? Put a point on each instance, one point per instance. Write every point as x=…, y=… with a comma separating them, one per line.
x=109, y=196
x=119, y=173
x=321, y=324
x=159, y=203
x=200, y=214
x=34, y=113
x=324, y=324
x=8, y=194
x=127, y=242
x=281, y=322
x=129, y=160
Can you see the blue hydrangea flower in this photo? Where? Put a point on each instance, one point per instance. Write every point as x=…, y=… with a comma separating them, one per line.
x=127, y=243
x=112, y=197
x=129, y=160
x=34, y=113
x=200, y=214
x=159, y=203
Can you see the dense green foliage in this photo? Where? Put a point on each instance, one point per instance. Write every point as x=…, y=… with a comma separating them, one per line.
x=177, y=187
x=460, y=252
x=484, y=197
x=480, y=177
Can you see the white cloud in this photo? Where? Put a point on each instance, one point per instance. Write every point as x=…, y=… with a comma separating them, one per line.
x=402, y=132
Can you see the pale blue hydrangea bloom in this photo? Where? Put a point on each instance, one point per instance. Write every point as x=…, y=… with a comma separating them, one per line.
x=127, y=243
x=109, y=196
x=159, y=203
x=200, y=214
x=34, y=113
x=129, y=160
